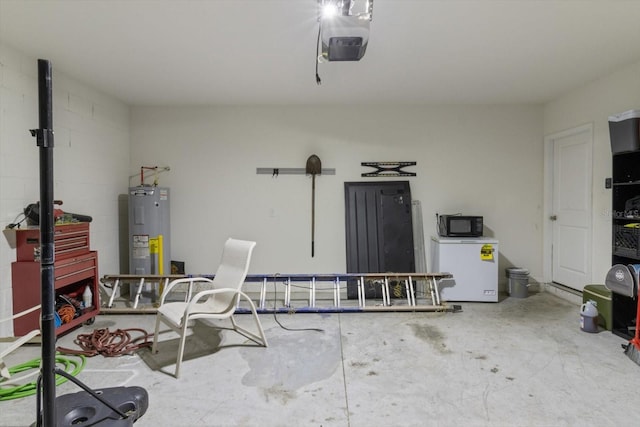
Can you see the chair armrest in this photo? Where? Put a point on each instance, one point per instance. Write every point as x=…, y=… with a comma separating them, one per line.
x=203, y=295
x=190, y=280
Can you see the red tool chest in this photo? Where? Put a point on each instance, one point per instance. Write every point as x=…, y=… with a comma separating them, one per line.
x=75, y=268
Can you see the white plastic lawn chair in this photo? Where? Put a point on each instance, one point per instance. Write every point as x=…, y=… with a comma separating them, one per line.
x=219, y=302
x=17, y=343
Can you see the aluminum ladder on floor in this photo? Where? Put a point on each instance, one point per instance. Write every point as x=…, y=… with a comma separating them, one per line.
x=383, y=280
x=388, y=283
x=139, y=280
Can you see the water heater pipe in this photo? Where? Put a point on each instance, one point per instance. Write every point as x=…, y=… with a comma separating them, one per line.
x=155, y=174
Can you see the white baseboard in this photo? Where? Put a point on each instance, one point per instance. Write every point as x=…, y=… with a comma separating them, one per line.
x=572, y=296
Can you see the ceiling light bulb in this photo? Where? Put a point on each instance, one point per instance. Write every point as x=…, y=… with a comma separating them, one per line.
x=329, y=10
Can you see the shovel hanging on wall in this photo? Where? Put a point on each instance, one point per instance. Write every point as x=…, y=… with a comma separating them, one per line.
x=314, y=167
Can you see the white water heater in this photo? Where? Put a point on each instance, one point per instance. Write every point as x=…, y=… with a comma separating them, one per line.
x=149, y=232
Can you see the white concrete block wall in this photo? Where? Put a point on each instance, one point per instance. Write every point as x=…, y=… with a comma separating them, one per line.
x=91, y=159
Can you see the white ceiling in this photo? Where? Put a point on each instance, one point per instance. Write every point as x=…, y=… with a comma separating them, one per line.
x=180, y=52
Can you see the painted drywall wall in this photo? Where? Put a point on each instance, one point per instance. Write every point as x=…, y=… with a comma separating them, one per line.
x=91, y=159
x=484, y=160
x=594, y=103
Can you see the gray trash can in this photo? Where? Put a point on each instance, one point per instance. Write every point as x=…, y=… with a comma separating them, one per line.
x=518, y=282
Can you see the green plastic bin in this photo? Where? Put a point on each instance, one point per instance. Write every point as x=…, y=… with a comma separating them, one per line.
x=602, y=296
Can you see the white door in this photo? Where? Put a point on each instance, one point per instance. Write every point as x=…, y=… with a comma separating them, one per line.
x=571, y=207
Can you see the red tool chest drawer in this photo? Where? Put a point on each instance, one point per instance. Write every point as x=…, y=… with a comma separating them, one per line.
x=69, y=240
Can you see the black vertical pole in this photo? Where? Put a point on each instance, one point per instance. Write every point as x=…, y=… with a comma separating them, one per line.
x=45, y=143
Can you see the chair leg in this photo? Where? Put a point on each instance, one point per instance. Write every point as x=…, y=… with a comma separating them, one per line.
x=259, y=338
x=259, y=325
x=234, y=324
x=183, y=338
x=154, y=348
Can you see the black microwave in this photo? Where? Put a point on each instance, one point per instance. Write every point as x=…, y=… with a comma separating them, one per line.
x=460, y=226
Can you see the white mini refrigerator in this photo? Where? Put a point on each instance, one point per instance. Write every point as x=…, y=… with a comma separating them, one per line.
x=473, y=262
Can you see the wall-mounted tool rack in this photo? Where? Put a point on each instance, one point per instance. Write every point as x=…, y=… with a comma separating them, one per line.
x=388, y=169
x=291, y=171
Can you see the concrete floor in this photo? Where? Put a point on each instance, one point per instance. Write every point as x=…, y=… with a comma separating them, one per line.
x=519, y=362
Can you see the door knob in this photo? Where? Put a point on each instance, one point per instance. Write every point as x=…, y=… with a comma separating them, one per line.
x=553, y=217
